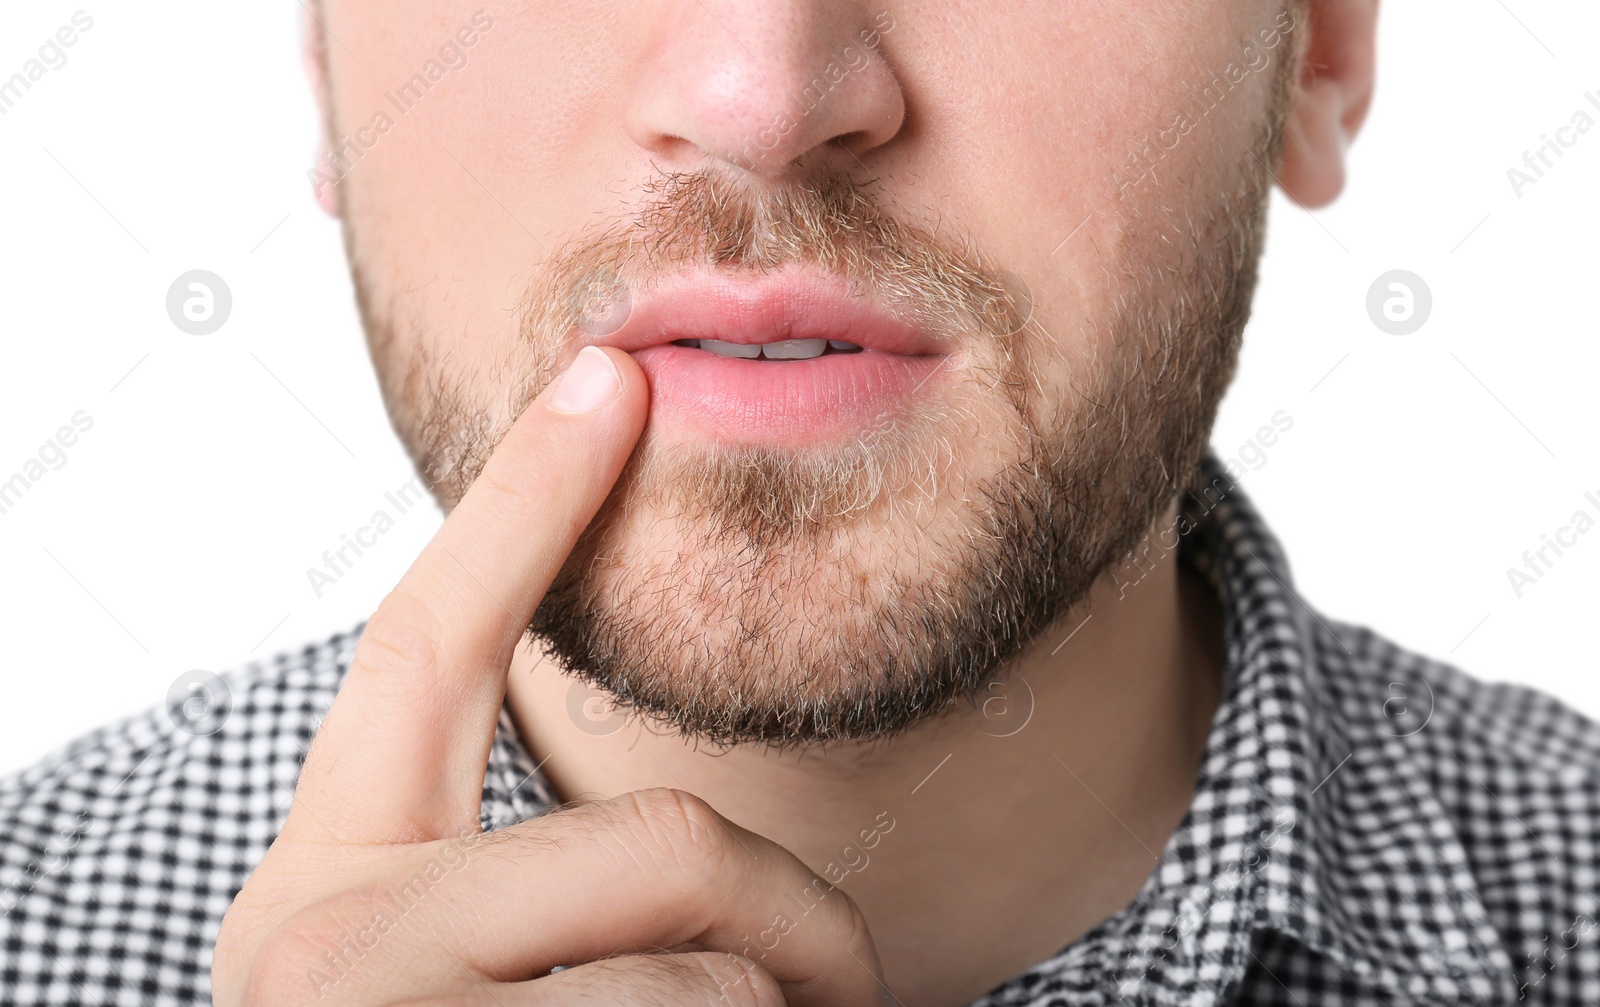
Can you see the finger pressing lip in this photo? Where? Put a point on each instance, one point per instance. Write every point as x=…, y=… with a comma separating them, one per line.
x=403, y=751
x=590, y=383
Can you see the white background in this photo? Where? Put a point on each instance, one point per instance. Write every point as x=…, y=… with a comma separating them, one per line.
x=219, y=468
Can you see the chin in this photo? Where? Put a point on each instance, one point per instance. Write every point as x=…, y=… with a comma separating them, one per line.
x=747, y=612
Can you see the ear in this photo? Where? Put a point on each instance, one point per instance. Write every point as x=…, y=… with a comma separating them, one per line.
x=314, y=53
x=1331, y=98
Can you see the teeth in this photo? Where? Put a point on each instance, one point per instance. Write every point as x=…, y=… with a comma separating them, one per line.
x=794, y=349
x=723, y=348
x=784, y=349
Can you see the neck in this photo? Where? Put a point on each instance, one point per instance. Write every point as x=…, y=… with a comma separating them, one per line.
x=982, y=841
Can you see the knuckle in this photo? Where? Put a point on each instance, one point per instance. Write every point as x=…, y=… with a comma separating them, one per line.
x=708, y=978
x=740, y=982
x=279, y=971
x=510, y=484
x=857, y=934
x=522, y=485
x=254, y=915
x=320, y=949
x=229, y=958
x=401, y=638
x=681, y=825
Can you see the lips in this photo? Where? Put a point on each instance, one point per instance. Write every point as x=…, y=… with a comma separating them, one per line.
x=784, y=359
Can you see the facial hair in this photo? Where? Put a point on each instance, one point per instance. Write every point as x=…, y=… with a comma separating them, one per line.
x=849, y=591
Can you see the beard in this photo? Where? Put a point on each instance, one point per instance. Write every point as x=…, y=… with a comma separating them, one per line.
x=849, y=591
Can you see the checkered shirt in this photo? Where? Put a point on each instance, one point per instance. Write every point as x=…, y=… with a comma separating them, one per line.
x=1368, y=827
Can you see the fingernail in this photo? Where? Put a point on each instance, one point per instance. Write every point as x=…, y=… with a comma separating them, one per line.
x=588, y=384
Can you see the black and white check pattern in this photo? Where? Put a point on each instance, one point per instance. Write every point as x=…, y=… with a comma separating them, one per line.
x=1369, y=827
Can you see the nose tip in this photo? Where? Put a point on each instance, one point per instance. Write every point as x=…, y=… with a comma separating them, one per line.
x=769, y=88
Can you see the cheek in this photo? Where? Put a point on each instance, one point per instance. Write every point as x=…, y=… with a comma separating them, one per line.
x=1062, y=140
x=486, y=162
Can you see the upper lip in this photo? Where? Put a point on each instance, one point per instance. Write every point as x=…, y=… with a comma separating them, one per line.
x=764, y=308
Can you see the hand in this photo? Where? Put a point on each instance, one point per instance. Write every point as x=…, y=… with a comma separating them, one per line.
x=382, y=888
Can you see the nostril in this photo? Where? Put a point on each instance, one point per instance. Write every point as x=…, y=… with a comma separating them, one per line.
x=804, y=88
x=673, y=147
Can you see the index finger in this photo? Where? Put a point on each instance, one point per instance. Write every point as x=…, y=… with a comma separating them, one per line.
x=402, y=752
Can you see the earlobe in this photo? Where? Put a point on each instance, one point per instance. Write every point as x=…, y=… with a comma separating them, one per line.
x=1332, y=94
x=1314, y=144
x=324, y=190
x=314, y=53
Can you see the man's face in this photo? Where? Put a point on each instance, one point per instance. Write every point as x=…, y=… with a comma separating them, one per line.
x=1038, y=222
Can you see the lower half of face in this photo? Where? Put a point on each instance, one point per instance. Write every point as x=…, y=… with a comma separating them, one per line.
x=947, y=434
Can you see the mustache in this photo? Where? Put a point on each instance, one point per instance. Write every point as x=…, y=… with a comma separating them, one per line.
x=705, y=219
x=833, y=224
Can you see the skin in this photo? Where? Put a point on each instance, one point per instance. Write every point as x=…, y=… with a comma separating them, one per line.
x=1006, y=127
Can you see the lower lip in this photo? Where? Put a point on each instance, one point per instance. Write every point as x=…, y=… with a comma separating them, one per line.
x=784, y=402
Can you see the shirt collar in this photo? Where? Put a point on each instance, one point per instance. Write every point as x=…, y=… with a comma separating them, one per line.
x=1278, y=843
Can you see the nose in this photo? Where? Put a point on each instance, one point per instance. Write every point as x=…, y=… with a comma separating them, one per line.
x=771, y=87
